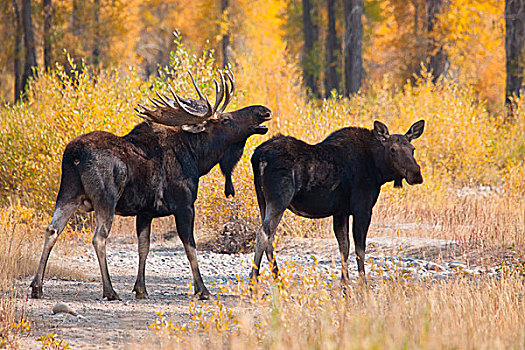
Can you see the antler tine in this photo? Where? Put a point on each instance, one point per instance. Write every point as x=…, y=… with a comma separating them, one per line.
x=229, y=93
x=163, y=98
x=144, y=108
x=156, y=102
x=179, y=103
x=142, y=113
x=230, y=75
x=219, y=93
x=202, y=97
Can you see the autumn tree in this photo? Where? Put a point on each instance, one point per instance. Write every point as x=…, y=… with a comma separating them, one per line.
x=331, y=79
x=17, y=55
x=226, y=35
x=514, y=44
x=353, y=10
x=436, y=55
x=29, y=44
x=95, y=52
x=48, y=11
x=310, y=32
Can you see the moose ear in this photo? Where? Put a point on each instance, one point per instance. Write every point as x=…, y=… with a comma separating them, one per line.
x=415, y=130
x=194, y=128
x=380, y=131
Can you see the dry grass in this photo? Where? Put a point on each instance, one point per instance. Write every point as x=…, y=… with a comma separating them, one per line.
x=21, y=239
x=307, y=310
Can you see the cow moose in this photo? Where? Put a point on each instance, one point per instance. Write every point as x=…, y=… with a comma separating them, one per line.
x=338, y=177
x=152, y=172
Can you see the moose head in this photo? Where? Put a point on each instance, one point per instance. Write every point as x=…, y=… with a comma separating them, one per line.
x=399, y=152
x=200, y=117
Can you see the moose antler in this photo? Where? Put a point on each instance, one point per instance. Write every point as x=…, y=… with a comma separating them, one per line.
x=229, y=94
x=187, y=111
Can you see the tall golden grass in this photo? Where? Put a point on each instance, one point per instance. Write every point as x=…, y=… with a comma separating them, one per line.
x=20, y=245
x=306, y=309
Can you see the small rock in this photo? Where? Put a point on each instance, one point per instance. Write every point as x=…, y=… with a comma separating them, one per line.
x=430, y=266
x=456, y=265
x=64, y=308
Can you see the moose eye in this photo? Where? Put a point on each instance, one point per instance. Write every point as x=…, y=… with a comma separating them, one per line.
x=392, y=150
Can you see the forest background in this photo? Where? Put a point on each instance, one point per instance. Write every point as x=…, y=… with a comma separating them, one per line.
x=293, y=56
x=70, y=67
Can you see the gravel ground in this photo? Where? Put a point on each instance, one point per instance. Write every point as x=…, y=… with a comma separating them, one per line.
x=115, y=324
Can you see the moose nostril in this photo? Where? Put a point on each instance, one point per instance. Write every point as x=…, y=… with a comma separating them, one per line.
x=267, y=115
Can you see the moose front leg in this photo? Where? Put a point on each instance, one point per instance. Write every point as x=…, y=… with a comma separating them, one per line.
x=360, y=225
x=340, y=223
x=143, y=235
x=184, y=218
x=229, y=190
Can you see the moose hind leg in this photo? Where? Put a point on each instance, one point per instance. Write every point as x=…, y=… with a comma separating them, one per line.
x=275, y=193
x=264, y=241
x=143, y=234
x=105, y=215
x=184, y=218
x=272, y=261
x=60, y=217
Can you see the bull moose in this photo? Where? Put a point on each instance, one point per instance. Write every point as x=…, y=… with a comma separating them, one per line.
x=152, y=172
x=338, y=177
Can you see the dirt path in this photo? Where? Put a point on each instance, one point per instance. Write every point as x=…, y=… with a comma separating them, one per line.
x=115, y=324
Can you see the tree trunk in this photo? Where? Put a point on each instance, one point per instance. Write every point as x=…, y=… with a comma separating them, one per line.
x=48, y=10
x=29, y=41
x=353, y=10
x=514, y=45
x=331, y=81
x=96, y=33
x=18, y=51
x=436, y=55
x=310, y=37
x=75, y=21
x=416, y=17
x=226, y=36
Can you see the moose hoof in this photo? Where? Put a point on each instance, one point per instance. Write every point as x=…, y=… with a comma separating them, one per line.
x=253, y=278
x=204, y=295
x=141, y=295
x=111, y=296
x=36, y=292
x=362, y=280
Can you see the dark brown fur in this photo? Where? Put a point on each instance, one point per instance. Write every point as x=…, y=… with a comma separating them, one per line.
x=151, y=172
x=338, y=177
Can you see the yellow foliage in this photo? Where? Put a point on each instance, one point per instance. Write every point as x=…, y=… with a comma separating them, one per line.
x=59, y=108
x=463, y=144
x=472, y=33
x=52, y=342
